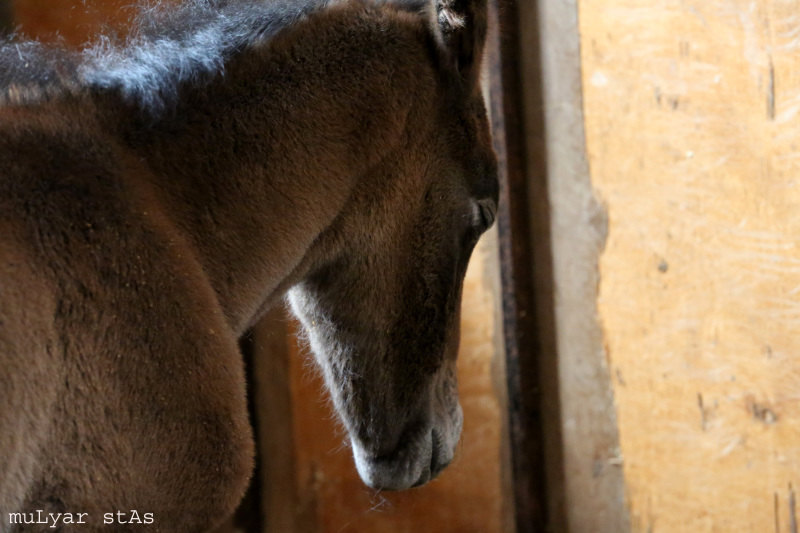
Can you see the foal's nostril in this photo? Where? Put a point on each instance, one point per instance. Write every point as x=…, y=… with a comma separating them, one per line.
x=440, y=459
x=437, y=463
x=391, y=446
x=435, y=445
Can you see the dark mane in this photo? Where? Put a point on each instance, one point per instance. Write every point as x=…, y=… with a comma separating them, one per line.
x=30, y=71
x=166, y=47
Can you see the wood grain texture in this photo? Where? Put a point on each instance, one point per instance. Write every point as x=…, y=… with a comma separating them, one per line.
x=534, y=437
x=691, y=111
x=273, y=423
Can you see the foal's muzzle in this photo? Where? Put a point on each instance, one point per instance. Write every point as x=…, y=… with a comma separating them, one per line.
x=413, y=462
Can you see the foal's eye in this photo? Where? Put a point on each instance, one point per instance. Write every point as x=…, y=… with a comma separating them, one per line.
x=484, y=213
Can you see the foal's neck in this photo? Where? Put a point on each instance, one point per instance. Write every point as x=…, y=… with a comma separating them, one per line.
x=254, y=168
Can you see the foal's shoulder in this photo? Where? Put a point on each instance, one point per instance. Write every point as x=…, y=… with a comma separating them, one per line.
x=61, y=174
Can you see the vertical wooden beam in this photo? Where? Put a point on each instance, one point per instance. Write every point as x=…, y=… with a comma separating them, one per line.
x=273, y=422
x=525, y=325
x=586, y=490
x=564, y=441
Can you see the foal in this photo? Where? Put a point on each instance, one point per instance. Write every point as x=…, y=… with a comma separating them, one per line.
x=157, y=196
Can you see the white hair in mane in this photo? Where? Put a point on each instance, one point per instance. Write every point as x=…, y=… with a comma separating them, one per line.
x=168, y=46
x=172, y=46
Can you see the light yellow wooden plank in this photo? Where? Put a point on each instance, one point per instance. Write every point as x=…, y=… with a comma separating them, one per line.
x=585, y=486
x=693, y=133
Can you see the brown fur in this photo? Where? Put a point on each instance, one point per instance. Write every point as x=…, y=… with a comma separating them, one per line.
x=339, y=158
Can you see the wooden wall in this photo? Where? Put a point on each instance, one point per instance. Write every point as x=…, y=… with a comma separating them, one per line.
x=71, y=20
x=691, y=114
x=669, y=169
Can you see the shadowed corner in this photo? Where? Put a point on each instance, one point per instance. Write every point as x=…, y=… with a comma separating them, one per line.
x=6, y=19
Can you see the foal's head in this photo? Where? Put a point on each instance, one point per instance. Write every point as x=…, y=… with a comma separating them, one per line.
x=382, y=315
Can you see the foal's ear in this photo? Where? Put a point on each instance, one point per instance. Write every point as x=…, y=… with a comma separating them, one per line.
x=462, y=24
